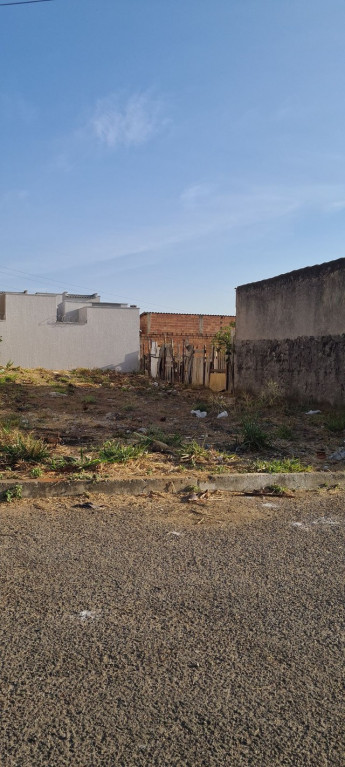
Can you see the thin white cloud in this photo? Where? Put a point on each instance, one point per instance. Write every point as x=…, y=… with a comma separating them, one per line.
x=337, y=205
x=193, y=195
x=231, y=212
x=130, y=123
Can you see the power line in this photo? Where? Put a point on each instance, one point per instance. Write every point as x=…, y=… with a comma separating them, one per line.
x=26, y=2
x=34, y=278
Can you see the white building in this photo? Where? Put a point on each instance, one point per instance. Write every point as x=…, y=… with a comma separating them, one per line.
x=66, y=331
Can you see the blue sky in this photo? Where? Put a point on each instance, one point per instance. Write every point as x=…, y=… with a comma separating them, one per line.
x=163, y=152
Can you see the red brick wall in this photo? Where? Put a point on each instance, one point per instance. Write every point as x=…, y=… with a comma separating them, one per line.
x=197, y=329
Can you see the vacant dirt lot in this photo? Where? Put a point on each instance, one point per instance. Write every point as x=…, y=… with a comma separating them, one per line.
x=148, y=631
x=94, y=424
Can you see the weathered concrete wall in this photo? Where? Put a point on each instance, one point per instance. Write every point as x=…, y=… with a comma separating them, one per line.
x=307, y=302
x=103, y=337
x=307, y=368
x=290, y=330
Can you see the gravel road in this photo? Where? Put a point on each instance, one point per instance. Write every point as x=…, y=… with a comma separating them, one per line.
x=151, y=632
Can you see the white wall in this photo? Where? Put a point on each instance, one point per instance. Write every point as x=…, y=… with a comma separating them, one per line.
x=32, y=337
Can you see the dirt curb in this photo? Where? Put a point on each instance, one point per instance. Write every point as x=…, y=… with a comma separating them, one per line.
x=136, y=486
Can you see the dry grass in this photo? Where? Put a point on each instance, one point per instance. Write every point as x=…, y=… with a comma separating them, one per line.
x=71, y=414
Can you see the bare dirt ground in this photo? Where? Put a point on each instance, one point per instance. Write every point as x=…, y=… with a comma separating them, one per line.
x=150, y=631
x=75, y=413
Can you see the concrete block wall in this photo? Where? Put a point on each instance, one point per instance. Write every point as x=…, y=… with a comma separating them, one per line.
x=291, y=329
x=306, y=368
x=306, y=302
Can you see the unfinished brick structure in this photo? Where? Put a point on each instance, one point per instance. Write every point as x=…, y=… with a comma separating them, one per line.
x=195, y=329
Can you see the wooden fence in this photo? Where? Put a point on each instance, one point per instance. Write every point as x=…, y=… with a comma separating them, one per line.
x=189, y=365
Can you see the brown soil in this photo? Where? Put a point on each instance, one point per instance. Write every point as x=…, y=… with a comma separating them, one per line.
x=76, y=412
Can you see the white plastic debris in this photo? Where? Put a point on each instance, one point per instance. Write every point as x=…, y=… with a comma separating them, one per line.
x=223, y=414
x=85, y=615
x=199, y=413
x=313, y=412
x=176, y=533
x=271, y=505
x=300, y=525
x=57, y=394
x=339, y=455
x=325, y=521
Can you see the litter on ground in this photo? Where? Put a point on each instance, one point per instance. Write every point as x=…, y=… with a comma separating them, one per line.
x=339, y=455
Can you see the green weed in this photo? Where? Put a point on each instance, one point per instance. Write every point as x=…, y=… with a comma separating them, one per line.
x=57, y=464
x=201, y=405
x=335, y=421
x=13, y=493
x=72, y=463
x=173, y=440
x=16, y=446
x=277, y=490
x=253, y=436
x=285, y=432
x=281, y=465
x=8, y=378
x=36, y=472
x=114, y=452
x=193, y=453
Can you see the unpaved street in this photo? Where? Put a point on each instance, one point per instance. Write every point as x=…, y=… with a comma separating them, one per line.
x=147, y=632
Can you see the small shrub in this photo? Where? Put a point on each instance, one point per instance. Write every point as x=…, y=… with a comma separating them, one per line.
x=89, y=399
x=223, y=340
x=253, y=436
x=114, y=452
